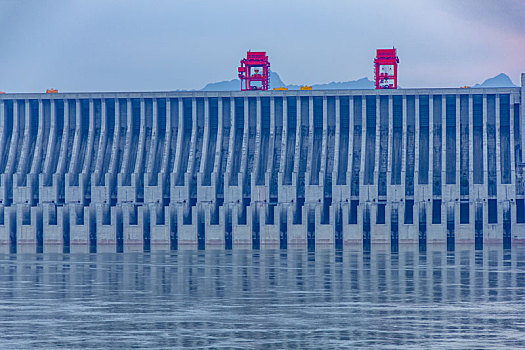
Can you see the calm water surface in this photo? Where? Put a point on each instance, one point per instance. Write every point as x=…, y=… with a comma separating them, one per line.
x=264, y=299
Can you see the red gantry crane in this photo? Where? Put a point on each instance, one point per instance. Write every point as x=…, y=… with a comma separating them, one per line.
x=386, y=68
x=254, y=71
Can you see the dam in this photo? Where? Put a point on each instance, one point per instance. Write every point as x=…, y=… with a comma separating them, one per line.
x=149, y=171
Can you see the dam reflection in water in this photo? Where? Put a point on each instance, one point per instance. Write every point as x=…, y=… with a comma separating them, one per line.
x=265, y=299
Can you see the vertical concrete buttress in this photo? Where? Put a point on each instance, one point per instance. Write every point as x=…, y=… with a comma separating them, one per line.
x=140, y=171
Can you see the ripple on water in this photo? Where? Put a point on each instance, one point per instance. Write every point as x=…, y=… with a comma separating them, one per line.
x=267, y=299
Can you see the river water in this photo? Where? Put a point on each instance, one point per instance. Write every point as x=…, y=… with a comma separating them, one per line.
x=265, y=299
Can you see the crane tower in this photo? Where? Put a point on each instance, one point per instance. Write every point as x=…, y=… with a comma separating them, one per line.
x=385, y=67
x=254, y=71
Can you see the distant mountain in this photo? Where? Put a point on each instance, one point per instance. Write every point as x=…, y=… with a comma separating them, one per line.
x=362, y=83
x=235, y=84
x=275, y=82
x=227, y=85
x=500, y=80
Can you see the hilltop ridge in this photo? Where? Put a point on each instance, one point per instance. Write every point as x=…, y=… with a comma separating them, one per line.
x=500, y=80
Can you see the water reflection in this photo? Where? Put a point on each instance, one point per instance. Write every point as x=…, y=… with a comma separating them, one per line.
x=265, y=299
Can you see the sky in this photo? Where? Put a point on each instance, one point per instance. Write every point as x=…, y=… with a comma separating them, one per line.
x=142, y=45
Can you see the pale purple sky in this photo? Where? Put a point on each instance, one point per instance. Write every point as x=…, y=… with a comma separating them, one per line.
x=132, y=45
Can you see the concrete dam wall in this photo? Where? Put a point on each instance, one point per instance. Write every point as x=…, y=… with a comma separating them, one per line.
x=176, y=170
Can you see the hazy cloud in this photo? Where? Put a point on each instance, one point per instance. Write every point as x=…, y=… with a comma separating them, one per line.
x=505, y=14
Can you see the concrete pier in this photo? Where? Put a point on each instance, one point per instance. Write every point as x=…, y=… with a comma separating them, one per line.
x=260, y=170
